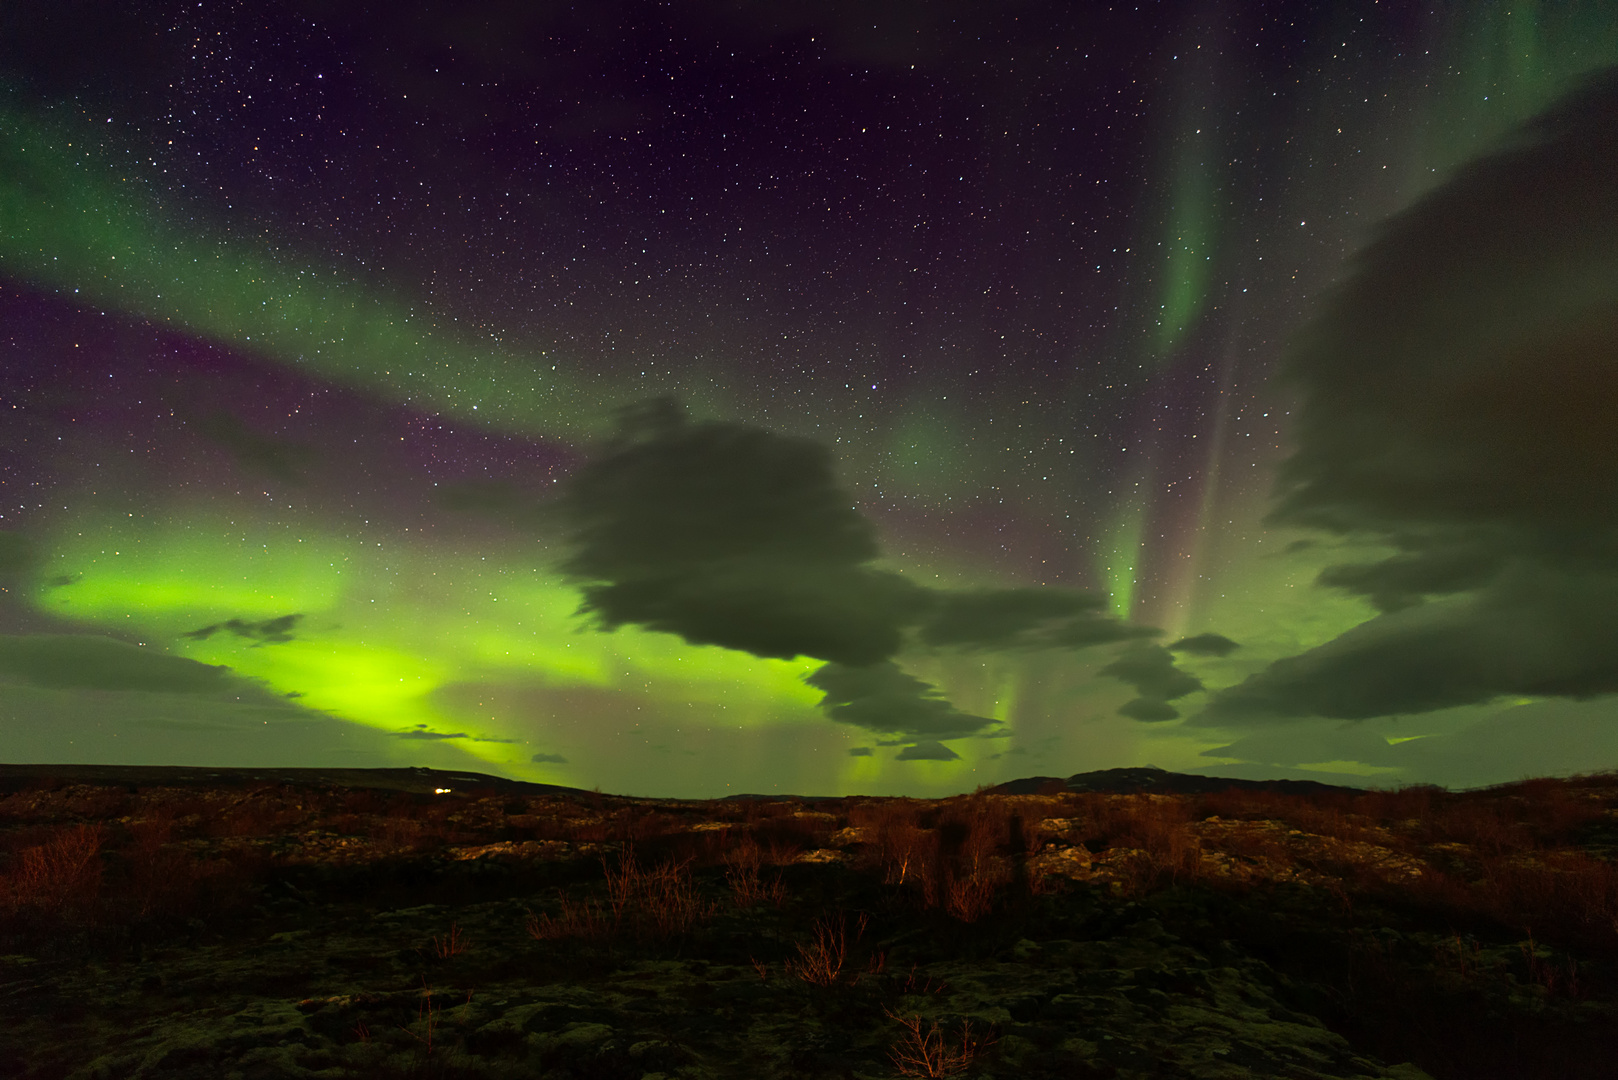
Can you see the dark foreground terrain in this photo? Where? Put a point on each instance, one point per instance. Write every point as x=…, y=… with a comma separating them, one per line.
x=175, y=923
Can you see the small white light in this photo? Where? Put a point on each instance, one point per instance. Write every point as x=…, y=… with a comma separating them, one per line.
x=440, y=791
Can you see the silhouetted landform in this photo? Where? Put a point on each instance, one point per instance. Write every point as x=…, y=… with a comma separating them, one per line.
x=271, y=926
x=423, y=781
x=418, y=780
x=1147, y=778
x=1125, y=781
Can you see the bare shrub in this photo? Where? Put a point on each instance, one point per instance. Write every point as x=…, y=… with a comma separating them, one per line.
x=826, y=960
x=970, y=870
x=747, y=886
x=925, y=1050
x=896, y=845
x=60, y=877
x=821, y=961
x=1567, y=893
x=662, y=900
x=160, y=876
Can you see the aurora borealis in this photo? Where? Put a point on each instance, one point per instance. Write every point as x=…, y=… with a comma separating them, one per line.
x=1044, y=388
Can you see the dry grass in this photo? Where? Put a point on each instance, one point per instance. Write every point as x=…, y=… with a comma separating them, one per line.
x=451, y=944
x=588, y=921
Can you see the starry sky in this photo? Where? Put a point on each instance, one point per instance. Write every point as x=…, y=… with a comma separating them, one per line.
x=704, y=397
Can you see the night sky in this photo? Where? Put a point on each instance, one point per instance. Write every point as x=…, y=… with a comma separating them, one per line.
x=697, y=398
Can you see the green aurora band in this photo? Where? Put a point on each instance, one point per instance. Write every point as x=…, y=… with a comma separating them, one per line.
x=398, y=635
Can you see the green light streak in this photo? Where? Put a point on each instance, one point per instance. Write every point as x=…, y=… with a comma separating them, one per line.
x=1120, y=554
x=70, y=221
x=1187, y=247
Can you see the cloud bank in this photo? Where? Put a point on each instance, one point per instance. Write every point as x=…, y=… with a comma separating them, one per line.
x=1460, y=406
x=92, y=662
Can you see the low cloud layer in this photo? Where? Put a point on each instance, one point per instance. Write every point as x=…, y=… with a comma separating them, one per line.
x=1150, y=670
x=886, y=700
x=731, y=535
x=422, y=732
x=1205, y=645
x=1460, y=405
x=92, y=662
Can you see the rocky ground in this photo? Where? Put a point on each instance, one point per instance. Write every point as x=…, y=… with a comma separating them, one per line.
x=289, y=928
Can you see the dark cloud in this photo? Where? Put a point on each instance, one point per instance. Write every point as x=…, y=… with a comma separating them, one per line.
x=551, y=759
x=1150, y=670
x=731, y=535
x=268, y=632
x=420, y=731
x=1023, y=618
x=1205, y=645
x=860, y=751
x=884, y=699
x=1150, y=710
x=1535, y=633
x=87, y=662
x=927, y=751
x=1460, y=405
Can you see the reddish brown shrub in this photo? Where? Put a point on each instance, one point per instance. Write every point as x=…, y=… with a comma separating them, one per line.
x=60, y=877
x=925, y=1049
x=660, y=901
x=895, y=845
x=590, y=920
x=747, y=886
x=160, y=877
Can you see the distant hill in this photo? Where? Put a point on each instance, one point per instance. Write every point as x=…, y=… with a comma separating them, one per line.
x=1146, y=778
